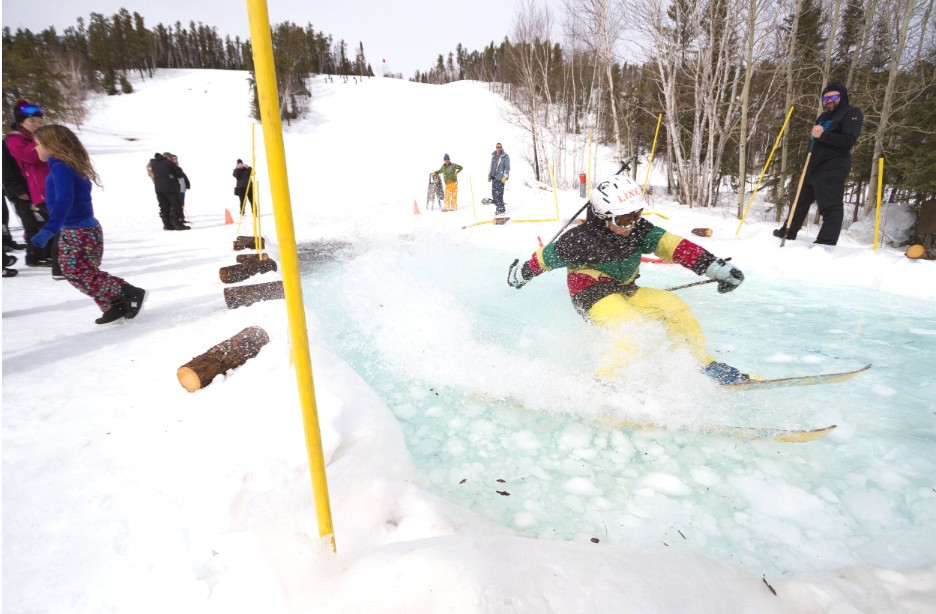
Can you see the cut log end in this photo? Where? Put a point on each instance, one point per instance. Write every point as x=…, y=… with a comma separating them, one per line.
x=915, y=251
x=702, y=232
x=189, y=379
x=500, y=221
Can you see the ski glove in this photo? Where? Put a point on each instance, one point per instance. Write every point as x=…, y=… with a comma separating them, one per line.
x=515, y=276
x=41, y=238
x=728, y=275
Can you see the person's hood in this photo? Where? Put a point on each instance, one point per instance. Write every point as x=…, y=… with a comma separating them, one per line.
x=838, y=86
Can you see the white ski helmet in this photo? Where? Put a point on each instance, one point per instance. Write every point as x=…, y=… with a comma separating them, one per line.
x=617, y=195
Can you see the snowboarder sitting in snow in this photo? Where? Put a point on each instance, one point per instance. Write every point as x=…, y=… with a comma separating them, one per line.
x=81, y=242
x=602, y=257
x=449, y=172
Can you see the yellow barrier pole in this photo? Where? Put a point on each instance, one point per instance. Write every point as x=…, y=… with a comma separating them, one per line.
x=588, y=176
x=877, y=219
x=289, y=260
x=479, y=223
x=475, y=211
x=555, y=194
x=769, y=158
x=653, y=149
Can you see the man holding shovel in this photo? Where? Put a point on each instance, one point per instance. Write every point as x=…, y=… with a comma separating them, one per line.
x=827, y=167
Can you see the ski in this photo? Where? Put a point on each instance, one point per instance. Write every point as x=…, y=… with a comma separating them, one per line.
x=789, y=382
x=741, y=432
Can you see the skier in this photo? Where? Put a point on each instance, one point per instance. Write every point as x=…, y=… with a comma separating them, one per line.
x=449, y=172
x=81, y=245
x=500, y=169
x=165, y=175
x=835, y=132
x=603, y=258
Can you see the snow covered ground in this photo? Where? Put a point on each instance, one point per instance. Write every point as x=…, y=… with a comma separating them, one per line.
x=123, y=492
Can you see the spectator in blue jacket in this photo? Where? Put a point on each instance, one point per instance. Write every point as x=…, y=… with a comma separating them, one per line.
x=500, y=170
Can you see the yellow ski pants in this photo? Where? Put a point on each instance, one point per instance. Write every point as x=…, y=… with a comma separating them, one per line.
x=616, y=311
x=451, y=196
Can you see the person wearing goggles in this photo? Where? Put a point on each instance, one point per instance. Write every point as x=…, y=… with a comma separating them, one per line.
x=834, y=134
x=602, y=260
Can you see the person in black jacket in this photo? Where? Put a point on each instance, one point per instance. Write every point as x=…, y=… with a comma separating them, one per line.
x=243, y=187
x=835, y=132
x=166, y=176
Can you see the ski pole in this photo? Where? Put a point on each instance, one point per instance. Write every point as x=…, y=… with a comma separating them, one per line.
x=800, y=187
x=698, y=283
x=574, y=217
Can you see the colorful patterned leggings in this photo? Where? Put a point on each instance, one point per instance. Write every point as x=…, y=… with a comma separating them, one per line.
x=80, y=253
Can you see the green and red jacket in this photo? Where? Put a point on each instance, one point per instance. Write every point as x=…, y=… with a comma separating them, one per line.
x=449, y=173
x=600, y=262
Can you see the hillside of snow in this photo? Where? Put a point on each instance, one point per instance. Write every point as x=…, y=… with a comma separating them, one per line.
x=122, y=492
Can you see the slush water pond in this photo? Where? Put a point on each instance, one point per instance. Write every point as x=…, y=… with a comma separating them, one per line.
x=494, y=392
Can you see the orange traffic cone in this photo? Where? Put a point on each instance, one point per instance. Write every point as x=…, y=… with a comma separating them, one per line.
x=416, y=210
x=227, y=218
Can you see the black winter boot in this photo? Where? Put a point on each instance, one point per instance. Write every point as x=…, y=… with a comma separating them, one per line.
x=780, y=232
x=133, y=299
x=114, y=313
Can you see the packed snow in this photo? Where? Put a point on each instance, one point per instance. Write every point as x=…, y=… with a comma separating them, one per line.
x=435, y=381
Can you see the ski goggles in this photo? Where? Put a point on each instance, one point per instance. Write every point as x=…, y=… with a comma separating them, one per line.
x=31, y=110
x=627, y=219
x=831, y=98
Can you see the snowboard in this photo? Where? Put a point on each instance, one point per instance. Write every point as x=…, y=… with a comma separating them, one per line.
x=489, y=201
x=789, y=382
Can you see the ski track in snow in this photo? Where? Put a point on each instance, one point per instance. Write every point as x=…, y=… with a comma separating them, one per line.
x=123, y=492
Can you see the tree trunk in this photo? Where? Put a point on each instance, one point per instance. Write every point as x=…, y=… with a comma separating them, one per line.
x=789, y=102
x=862, y=43
x=896, y=54
x=230, y=354
x=745, y=96
x=244, y=296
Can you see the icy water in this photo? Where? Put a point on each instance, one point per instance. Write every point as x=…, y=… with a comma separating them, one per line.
x=493, y=389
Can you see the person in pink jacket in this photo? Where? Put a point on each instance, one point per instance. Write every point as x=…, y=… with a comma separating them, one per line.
x=26, y=119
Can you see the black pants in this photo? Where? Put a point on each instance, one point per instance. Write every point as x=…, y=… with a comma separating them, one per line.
x=170, y=209
x=239, y=192
x=827, y=189
x=497, y=192
x=33, y=221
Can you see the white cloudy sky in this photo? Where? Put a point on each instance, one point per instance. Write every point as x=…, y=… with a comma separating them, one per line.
x=409, y=34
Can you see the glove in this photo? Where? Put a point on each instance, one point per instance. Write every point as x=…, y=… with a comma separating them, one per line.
x=489, y=179
x=728, y=275
x=504, y=180
x=41, y=238
x=515, y=277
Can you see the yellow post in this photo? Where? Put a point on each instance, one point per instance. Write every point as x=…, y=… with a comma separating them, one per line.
x=779, y=136
x=877, y=219
x=588, y=184
x=289, y=260
x=470, y=185
x=653, y=149
x=555, y=194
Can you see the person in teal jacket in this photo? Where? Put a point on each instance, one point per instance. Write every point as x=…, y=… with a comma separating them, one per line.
x=449, y=172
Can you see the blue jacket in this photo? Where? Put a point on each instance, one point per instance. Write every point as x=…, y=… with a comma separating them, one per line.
x=68, y=196
x=500, y=167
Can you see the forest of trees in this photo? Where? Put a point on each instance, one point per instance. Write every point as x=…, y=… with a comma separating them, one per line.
x=58, y=71
x=724, y=74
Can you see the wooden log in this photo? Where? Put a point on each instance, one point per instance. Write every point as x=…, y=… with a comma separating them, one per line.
x=239, y=272
x=242, y=258
x=918, y=252
x=243, y=296
x=702, y=232
x=248, y=243
x=500, y=220
x=230, y=354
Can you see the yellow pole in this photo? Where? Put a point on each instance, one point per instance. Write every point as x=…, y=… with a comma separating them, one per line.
x=470, y=185
x=289, y=260
x=779, y=136
x=877, y=219
x=588, y=184
x=653, y=149
x=555, y=194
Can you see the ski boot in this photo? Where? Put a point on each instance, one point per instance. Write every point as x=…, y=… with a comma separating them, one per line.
x=724, y=374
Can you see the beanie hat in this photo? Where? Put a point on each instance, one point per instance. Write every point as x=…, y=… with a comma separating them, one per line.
x=239, y=161
x=167, y=154
x=19, y=115
x=446, y=157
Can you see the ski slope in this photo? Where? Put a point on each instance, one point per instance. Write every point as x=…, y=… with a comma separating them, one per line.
x=123, y=492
